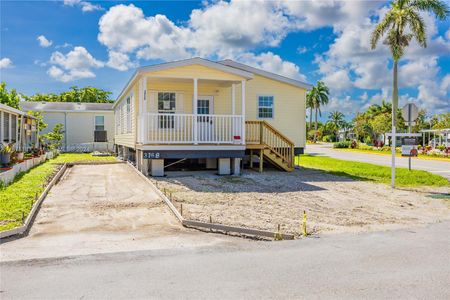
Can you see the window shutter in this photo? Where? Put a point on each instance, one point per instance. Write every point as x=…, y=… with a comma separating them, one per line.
x=152, y=103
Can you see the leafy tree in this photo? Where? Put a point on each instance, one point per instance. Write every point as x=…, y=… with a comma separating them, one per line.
x=54, y=137
x=9, y=98
x=86, y=94
x=442, y=121
x=336, y=118
x=310, y=105
x=380, y=124
x=400, y=24
x=319, y=94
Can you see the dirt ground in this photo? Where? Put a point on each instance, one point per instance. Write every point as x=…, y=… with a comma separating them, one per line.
x=332, y=203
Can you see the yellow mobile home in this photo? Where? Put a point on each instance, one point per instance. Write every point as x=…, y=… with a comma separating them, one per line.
x=213, y=114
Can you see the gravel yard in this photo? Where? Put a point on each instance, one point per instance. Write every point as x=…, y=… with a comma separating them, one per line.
x=333, y=203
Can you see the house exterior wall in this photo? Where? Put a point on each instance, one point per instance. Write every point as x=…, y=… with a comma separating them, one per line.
x=79, y=126
x=289, y=107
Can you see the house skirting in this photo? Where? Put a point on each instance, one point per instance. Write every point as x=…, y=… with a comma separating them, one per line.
x=160, y=154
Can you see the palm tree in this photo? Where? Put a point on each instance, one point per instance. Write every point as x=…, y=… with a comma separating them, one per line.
x=336, y=117
x=310, y=105
x=320, y=98
x=400, y=24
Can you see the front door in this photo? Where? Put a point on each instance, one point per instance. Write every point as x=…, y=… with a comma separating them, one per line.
x=205, y=108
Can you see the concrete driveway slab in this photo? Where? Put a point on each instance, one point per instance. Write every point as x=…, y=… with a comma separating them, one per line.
x=99, y=209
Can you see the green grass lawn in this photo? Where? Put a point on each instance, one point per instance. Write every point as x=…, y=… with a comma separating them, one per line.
x=376, y=173
x=16, y=197
x=420, y=156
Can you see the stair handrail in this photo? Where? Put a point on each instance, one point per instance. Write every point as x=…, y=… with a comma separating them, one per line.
x=287, y=147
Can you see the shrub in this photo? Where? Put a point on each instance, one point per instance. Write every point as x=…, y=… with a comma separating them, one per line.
x=441, y=147
x=368, y=140
x=378, y=144
x=363, y=146
x=354, y=144
x=327, y=138
x=345, y=144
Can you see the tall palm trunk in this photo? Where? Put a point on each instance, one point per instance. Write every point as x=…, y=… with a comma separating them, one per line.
x=315, y=126
x=310, y=118
x=394, y=118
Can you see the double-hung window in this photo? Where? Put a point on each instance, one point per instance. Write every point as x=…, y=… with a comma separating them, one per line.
x=99, y=123
x=128, y=114
x=100, y=133
x=166, y=105
x=265, y=107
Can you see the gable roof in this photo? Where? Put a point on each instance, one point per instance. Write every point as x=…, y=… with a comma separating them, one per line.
x=196, y=61
x=65, y=106
x=297, y=83
x=183, y=63
x=227, y=65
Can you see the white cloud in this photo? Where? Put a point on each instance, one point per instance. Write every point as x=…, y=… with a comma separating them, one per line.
x=229, y=27
x=235, y=29
x=445, y=84
x=302, y=50
x=5, y=63
x=120, y=61
x=85, y=5
x=76, y=64
x=218, y=31
x=346, y=105
x=338, y=80
x=125, y=29
x=44, y=42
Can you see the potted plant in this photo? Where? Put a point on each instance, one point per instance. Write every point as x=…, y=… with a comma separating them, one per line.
x=5, y=153
x=20, y=155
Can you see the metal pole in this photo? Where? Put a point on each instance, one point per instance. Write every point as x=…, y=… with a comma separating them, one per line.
x=409, y=158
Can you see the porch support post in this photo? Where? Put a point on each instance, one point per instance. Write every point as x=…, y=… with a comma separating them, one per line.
x=10, y=128
x=233, y=99
x=140, y=135
x=143, y=110
x=1, y=127
x=194, y=108
x=17, y=133
x=243, y=112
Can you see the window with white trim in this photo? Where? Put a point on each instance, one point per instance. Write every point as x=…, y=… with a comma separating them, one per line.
x=117, y=115
x=265, y=107
x=128, y=107
x=166, y=105
x=99, y=123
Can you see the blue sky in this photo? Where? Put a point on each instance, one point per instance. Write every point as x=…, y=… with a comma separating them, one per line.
x=48, y=46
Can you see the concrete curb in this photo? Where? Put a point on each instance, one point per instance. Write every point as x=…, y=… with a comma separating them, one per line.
x=210, y=226
x=31, y=215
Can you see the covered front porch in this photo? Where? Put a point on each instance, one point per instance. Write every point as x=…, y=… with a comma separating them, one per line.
x=191, y=111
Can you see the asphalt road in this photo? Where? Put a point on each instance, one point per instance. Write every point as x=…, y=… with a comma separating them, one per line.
x=406, y=264
x=434, y=166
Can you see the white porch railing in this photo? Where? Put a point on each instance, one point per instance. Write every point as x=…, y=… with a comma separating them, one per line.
x=166, y=128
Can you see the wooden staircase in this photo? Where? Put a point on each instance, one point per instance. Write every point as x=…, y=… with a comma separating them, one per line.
x=263, y=139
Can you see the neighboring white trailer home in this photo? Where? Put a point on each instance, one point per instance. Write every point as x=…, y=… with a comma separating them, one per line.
x=87, y=126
